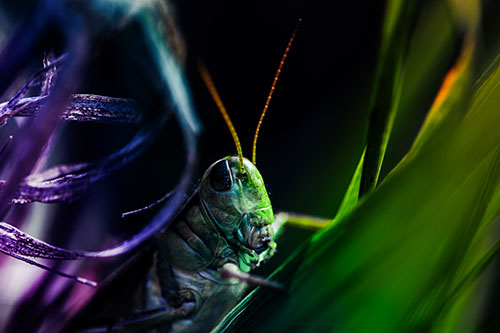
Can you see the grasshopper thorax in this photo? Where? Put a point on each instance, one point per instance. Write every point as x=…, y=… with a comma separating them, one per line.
x=238, y=203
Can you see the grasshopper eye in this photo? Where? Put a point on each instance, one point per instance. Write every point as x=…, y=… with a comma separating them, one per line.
x=220, y=177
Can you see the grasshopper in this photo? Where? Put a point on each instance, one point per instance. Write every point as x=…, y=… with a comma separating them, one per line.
x=202, y=262
x=193, y=272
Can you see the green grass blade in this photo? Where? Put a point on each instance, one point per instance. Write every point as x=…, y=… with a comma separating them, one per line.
x=351, y=196
x=415, y=75
x=384, y=100
x=386, y=91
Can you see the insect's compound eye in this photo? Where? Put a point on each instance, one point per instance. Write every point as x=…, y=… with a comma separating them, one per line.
x=220, y=177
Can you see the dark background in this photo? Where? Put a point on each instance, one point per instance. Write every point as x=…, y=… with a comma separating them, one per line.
x=313, y=133
x=311, y=139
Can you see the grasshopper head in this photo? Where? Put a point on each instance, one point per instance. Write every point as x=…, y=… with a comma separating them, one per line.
x=232, y=191
x=238, y=202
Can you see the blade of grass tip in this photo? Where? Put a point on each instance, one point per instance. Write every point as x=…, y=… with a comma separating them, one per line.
x=387, y=89
x=354, y=190
x=433, y=47
x=404, y=90
x=449, y=104
x=352, y=193
x=466, y=13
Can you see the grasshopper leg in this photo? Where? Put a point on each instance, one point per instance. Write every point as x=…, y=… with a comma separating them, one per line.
x=300, y=221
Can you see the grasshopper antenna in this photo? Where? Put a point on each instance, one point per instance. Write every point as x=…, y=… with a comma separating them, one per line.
x=215, y=95
x=254, y=151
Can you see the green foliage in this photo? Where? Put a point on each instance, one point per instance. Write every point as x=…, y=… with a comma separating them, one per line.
x=414, y=253
x=387, y=90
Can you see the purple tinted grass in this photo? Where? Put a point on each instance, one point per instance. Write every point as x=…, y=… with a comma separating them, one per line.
x=67, y=183
x=33, y=136
x=46, y=88
x=31, y=146
x=78, y=279
x=9, y=109
x=82, y=108
x=14, y=241
x=50, y=75
x=48, y=311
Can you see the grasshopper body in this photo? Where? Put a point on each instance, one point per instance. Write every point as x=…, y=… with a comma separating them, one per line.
x=201, y=261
